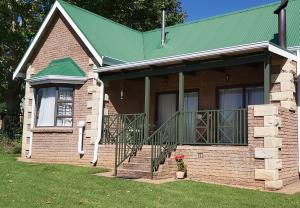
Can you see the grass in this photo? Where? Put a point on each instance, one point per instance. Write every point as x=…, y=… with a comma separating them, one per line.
x=46, y=185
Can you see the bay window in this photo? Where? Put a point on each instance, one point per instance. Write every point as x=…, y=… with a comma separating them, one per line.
x=54, y=107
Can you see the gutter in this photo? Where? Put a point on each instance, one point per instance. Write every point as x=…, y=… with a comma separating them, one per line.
x=202, y=54
x=56, y=79
x=31, y=126
x=298, y=104
x=100, y=118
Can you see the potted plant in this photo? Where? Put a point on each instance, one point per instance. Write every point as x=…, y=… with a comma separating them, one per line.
x=181, y=167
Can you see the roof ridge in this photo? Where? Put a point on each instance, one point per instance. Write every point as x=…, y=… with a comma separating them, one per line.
x=220, y=16
x=99, y=16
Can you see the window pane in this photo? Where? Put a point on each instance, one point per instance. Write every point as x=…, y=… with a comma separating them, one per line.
x=64, y=121
x=254, y=95
x=231, y=98
x=65, y=94
x=64, y=109
x=46, y=106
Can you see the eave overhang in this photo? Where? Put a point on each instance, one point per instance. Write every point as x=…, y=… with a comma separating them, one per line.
x=199, y=56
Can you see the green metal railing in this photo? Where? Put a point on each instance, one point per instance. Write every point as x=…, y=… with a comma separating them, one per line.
x=114, y=124
x=163, y=141
x=128, y=136
x=216, y=127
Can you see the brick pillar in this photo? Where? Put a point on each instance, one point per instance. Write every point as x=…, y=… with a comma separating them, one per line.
x=93, y=106
x=272, y=144
x=285, y=79
x=27, y=112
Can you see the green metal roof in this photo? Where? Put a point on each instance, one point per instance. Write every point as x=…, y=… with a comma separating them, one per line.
x=119, y=42
x=61, y=67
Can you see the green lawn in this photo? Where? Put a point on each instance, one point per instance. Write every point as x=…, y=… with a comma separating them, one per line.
x=39, y=185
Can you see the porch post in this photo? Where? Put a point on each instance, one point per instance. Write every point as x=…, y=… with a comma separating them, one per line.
x=181, y=107
x=267, y=79
x=147, y=107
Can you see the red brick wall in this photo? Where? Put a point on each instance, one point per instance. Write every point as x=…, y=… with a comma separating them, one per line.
x=289, y=151
x=61, y=41
x=233, y=165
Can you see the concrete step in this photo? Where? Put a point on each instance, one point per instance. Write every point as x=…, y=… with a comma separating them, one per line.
x=133, y=174
x=136, y=166
x=139, y=159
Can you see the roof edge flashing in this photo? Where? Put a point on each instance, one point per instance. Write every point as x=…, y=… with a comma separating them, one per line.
x=56, y=79
x=202, y=54
x=178, y=58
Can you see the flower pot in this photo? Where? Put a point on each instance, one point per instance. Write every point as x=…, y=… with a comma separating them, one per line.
x=180, y=175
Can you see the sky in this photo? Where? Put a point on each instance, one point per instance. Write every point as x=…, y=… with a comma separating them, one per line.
x=199, y=9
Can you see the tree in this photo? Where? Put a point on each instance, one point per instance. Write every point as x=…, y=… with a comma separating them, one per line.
x=20, y=20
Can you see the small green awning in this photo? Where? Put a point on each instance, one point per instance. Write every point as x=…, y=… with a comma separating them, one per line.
x=60, y=71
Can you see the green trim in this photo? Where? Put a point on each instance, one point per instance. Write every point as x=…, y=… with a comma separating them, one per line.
x=65, y=67
x=181, y=106
x=267, y=79
x=147, y=107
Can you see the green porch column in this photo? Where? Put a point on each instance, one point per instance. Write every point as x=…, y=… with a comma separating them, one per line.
x=181, y=107
x=267, y=79
x=147, y=107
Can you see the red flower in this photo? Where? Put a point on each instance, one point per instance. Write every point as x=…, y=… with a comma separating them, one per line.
x=179, y=157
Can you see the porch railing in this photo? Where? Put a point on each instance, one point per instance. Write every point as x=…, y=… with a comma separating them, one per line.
x=128, y=136
x=114, y=124
x=216, y=127
x=163, y=141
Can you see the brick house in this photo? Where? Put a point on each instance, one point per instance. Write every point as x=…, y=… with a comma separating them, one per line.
x=221, y=91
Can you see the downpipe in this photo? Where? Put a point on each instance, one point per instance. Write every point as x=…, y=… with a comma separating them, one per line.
x=298, y=105
x=80, y=125
x=100, y=119
x=31, y=126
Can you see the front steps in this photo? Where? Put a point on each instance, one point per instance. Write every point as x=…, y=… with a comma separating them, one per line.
x=139, y=166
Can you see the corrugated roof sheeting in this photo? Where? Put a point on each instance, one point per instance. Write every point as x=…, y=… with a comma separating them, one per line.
x=243, y=27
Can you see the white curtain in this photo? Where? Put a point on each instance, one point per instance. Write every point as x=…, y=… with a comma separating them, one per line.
x=254, y=95
x=231, y=98
x=191, y=108
x=166, y=107
x=47, y=107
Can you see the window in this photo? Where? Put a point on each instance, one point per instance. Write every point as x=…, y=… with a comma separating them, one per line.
x=54, y=106
x=240, y=97
x=254, y=95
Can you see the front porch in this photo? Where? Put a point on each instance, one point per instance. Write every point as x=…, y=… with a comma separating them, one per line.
x=199, y=107
x=203, y=109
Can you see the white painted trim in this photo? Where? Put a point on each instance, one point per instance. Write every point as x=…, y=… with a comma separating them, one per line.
x=298, y=103
x=179, y=58
x=56, y=79
x=202, y=54
x=80, y=34
x=294, y=48
x=282, y=52
x=56, y=6
x=35, y=40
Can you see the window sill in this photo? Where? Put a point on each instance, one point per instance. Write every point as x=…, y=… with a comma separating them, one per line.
x=53, y=130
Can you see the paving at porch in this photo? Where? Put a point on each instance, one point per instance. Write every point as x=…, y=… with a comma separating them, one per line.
x=289, y=189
